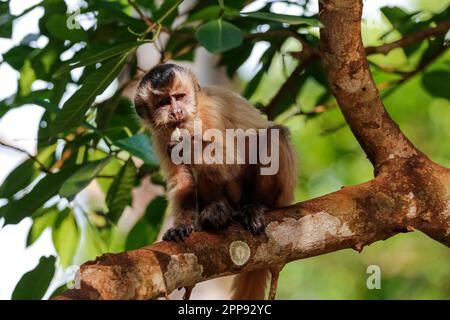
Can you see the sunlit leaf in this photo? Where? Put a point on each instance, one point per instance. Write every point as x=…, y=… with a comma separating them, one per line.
x=26, y=78
x=42, y=220
x=65, y=236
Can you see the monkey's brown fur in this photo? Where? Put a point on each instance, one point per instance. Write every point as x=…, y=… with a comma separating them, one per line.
x=210, y=196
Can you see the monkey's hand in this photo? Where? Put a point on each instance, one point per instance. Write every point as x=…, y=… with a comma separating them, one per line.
x=215, y=216
x=170, y=146
x=178, y=233
x=252, y=218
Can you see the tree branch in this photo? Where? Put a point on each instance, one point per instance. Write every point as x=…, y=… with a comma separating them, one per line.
x=311, y=54
x=29, y=155
x=345, y=63
x=410, y=39
x=409, y=192
x=350, y=218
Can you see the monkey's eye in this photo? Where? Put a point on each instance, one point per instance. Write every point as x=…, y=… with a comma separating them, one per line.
x=164, y=101
x=179, y=96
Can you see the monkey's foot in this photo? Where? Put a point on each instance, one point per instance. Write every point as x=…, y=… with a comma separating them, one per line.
x=252, y=218
x=178, y=233
x=215, y=216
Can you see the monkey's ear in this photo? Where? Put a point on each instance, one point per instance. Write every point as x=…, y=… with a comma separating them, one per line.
x=198, y=86
x=141, y=107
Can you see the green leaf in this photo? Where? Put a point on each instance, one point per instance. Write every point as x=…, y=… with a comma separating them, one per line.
x=283, y=18
x=16, y=56
x=405, y=23
x=15, y=210
x=59, y=291
x=42, y=220
x=6, y=20
x=57, y=26
x=99, y=57
x=26, y=79
x=219, y=36
x=204, y=14
x=116, y=118
x=252, y=85
x=18, y=179
x=74, y=109
x=167, y=12
x=119, y=194
x=148, y=227
x=65, y=236
x=436, y=83
x=139, y=146
x=80, y=179
x=34, y=283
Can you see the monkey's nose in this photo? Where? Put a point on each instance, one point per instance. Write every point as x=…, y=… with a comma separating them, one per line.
x=178, y=114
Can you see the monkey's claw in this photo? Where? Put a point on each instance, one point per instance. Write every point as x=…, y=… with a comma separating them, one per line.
x=215, y=216
x=252, y=218
x=178, y=233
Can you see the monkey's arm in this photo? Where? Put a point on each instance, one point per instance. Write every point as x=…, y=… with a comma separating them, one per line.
x=182, y=199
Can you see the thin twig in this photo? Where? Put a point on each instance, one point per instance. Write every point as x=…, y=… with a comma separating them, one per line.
x=410, y=39
x=286, y=87
x=421, y=67
x=29, y=155
x=148, y=22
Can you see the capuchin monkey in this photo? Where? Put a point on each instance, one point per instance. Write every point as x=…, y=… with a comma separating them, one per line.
x=209, y=196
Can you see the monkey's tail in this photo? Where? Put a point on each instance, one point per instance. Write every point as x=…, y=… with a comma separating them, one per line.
x=250, y=285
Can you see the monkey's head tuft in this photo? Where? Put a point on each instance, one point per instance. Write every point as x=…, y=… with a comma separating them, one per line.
x=167, y=96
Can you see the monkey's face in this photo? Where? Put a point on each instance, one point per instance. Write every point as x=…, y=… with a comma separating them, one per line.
x=166, y=96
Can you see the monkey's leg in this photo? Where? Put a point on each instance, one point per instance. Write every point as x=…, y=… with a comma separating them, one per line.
x=215, y=216
x=183, y=203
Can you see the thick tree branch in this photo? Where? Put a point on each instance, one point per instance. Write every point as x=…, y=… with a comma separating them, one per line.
x=409, y=192
x=345, y=63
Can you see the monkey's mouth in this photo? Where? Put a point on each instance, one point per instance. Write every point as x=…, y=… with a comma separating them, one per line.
x=172, y=122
